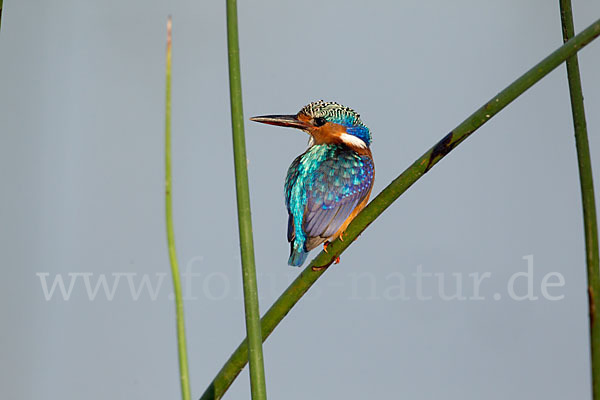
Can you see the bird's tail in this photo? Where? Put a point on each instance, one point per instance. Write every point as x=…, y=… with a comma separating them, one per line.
x=297, y=255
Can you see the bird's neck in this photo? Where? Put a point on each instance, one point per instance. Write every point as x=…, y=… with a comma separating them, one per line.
x=336, y=134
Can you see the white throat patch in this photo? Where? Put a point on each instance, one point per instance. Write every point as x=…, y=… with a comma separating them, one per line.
x=352, y=140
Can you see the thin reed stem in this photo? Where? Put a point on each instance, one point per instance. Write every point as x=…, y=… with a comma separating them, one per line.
x=590, y=224
x=253, y=327
x=181, y=343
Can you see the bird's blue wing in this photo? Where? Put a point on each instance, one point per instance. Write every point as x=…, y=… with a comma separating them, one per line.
x=339, y=184
x=290, y=181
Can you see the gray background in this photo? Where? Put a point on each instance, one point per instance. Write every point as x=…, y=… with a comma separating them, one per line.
x=81, y=111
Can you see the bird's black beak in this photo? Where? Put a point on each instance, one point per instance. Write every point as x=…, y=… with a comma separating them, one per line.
x=290, y=121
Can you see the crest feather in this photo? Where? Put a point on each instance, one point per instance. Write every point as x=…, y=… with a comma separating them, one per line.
x=332, y=112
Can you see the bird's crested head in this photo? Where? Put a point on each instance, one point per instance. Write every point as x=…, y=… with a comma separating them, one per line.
x=326, y=123
x=321, y=112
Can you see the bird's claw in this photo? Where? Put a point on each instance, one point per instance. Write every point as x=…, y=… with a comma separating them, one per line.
x=321, y=268
x=325, y=245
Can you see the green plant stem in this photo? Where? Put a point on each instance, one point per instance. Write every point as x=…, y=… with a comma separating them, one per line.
x=308, y=276
x=586, y=181
x=253, y=328
x=181, y=343
x=0, y=14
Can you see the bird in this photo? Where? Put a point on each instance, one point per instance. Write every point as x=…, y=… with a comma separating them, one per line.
x=330, y=183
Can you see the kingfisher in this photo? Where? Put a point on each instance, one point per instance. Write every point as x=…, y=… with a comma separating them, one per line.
x=330, y=183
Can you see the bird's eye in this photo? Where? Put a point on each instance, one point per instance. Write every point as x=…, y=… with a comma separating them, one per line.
x=319, y=121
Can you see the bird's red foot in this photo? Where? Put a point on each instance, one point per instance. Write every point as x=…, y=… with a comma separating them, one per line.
x=337, y=260
x=325, y=245
x=342, y=236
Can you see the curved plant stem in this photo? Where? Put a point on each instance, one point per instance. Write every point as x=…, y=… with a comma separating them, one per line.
x=253, y=328
x=181, y=345
x=587, y=196
x=307, y=277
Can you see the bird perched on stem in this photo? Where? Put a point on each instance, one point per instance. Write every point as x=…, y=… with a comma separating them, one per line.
x=327, y=185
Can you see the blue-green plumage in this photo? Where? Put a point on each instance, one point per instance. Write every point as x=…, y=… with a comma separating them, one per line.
x=322, y=188
x=331, y=181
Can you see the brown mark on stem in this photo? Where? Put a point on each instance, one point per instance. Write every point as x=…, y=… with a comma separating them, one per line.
x=442, y=148
x=592, y=305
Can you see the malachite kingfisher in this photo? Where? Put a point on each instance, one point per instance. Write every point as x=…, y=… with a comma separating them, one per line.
x=330, y=183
